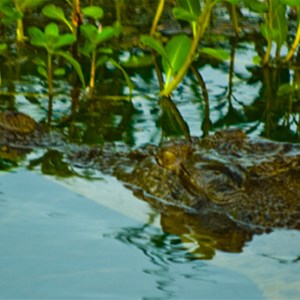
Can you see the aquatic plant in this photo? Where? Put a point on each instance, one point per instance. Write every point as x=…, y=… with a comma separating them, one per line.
x=94, y=36
x=180, y=51
x=14, y=11
x=53, y=42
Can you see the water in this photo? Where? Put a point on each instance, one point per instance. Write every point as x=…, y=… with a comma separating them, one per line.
x=57, y=243
x=72, y=237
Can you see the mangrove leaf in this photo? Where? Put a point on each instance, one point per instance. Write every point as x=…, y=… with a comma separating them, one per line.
x=127, y=78
x=59, y=72
x=94, y=12
x=107, y=33
x=295, y=3
x=64, y=40
x=154, y=44
x=182, y=14
x=256, y=6
x=38, y=61
x=54, y=12
x=219, y=54
x=41, y=70
x=89, y=31
x=74, y=63
x=37, y=37
x=279, y=23
x=136, y=61
x=177, y=50
x=25, y=4
x=52, y=29
x=192, y=6
x=3, y=47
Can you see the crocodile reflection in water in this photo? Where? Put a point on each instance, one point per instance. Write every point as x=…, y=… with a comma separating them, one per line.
x=226, y=184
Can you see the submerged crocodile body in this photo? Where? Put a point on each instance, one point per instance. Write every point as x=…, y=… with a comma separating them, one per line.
x=228, y=177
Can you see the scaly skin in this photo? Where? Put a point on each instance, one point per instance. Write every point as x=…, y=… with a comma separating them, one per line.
x=253, y=183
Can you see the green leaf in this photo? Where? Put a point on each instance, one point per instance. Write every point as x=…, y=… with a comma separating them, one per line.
x=94, y=12
x=182, y=14
x=276, y=29
x=27, y=4
x=64, y=40
x=101, y=61
x=87, y=49
x=42, y=71
x=52, y=30
x=256, y=6
x=127, y=78
x=54, y=12
x=8, y=13
x=219, y=54
x=11, y=17
x=37, y=37
x=139, y=61
x=285, y=89
x=75, y=65
x=155, y=44
x=89, y=32
x=3, y=47
x=118, y=28
x=38, y=61
x=266, y=31
x=295, y=3
x=105, y=50
x=192, y=6
x=107, y=33
x=177, y=50
x=256, y=60
x=279, y=23
x=188, y=10
x=59, y=72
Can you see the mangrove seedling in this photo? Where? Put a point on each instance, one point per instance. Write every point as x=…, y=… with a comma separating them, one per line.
x=56, y=13
x=295, y=44
x=14, y=10
x=180, y=51
x=53, y=42
x=275, y=28
x=94, y=36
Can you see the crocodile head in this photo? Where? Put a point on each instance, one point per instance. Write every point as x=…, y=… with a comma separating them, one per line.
x=254, y=183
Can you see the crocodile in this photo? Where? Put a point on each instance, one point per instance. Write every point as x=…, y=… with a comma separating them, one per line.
x=227, y=178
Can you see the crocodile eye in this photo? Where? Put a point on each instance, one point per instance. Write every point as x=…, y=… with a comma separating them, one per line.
x=167, y=158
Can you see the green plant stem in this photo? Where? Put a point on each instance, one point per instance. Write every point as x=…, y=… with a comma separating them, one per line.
x=268, y=52
x=20, y=30
x=49, y=74
x=269, y=44
x=93, y=72
x=118, y=11
x=203, y=22
x=159, y=11
x=294, y=45
x=234, y=19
